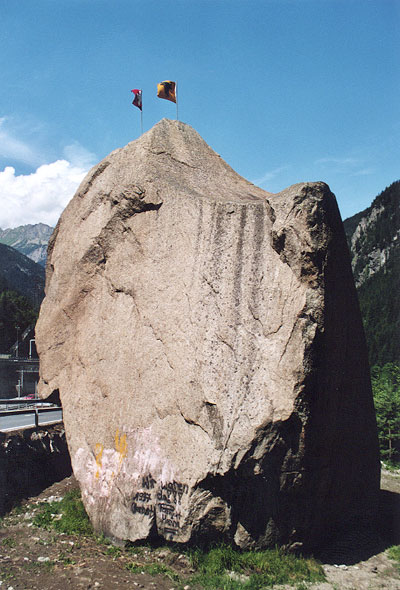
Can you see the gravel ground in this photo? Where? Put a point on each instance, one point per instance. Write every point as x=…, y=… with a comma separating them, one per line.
x=36, y=559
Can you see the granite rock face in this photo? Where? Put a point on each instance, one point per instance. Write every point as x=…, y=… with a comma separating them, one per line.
x=206, y=342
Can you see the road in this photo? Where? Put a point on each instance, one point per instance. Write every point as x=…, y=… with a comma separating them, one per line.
x=26, y=418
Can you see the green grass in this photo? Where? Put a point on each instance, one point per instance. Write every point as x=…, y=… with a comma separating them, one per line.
x=219, y=568
x=8, y=542
x=224, y=568
x=6, y=574
x=394, y=553
x=391, y=465
x=19, y=509
x=154, y=569
x=47, y=566
x=67, y=516
x=113, y=551
x=65, y=559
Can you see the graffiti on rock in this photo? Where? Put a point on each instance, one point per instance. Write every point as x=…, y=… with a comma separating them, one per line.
x=162, y=499
x=148, y=482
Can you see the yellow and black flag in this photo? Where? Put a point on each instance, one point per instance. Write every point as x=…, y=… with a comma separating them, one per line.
x=167, y=90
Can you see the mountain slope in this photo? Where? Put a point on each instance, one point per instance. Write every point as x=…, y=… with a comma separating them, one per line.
x=30, y=240
x=21, y=292
x=19, y=273
x=374, y=239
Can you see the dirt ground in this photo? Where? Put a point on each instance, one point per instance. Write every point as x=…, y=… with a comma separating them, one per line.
x=36, y=559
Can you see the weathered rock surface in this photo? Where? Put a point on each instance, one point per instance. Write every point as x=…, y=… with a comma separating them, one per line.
x=206, y=341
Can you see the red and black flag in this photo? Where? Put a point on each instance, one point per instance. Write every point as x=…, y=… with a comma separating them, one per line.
x=167, y=90
x=137, y=101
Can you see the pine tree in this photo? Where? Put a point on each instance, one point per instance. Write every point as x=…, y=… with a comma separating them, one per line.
x=386, y=388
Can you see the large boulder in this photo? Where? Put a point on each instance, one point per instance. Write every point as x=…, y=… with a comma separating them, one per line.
x=206, y=342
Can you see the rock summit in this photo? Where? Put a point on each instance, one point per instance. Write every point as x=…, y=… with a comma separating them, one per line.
x=206, y=343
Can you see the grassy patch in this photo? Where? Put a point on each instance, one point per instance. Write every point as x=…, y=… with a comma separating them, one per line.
x=113, y=551
x=8, y=542
x=153, y=569
x=392, y=466
x=224, y=568
x=219, y=568
x=66, y=559
x=19, y=509
x=47, y=566
x=6, y=574
x=394, y=553
x=67, y=516
x=136, y=549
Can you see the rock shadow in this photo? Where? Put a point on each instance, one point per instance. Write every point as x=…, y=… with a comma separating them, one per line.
x=364, y=536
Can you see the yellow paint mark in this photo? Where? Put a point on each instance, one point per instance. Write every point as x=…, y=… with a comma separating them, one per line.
x=121, y=447
x=98, y=453
x=121, y=444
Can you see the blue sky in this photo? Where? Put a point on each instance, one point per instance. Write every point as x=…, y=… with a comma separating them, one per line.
x=284, y=90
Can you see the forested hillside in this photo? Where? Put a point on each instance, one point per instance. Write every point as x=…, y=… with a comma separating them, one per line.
x=22, y=275
x=374, y=240
x=21, y=292
x=16, y=314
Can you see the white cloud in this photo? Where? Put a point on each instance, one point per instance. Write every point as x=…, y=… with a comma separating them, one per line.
x=339, y=161
x=14, y=149
x=346, y=165
x=269, y=175
x=364, y=172
x=40, y=196
x=79, y=156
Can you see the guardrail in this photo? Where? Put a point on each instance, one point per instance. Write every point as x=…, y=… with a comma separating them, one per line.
x=21, y=403
x=19, y=359
x=25, y=407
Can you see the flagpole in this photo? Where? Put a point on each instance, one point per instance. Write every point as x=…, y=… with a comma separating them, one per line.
x=141, y=115
x=176, y=96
